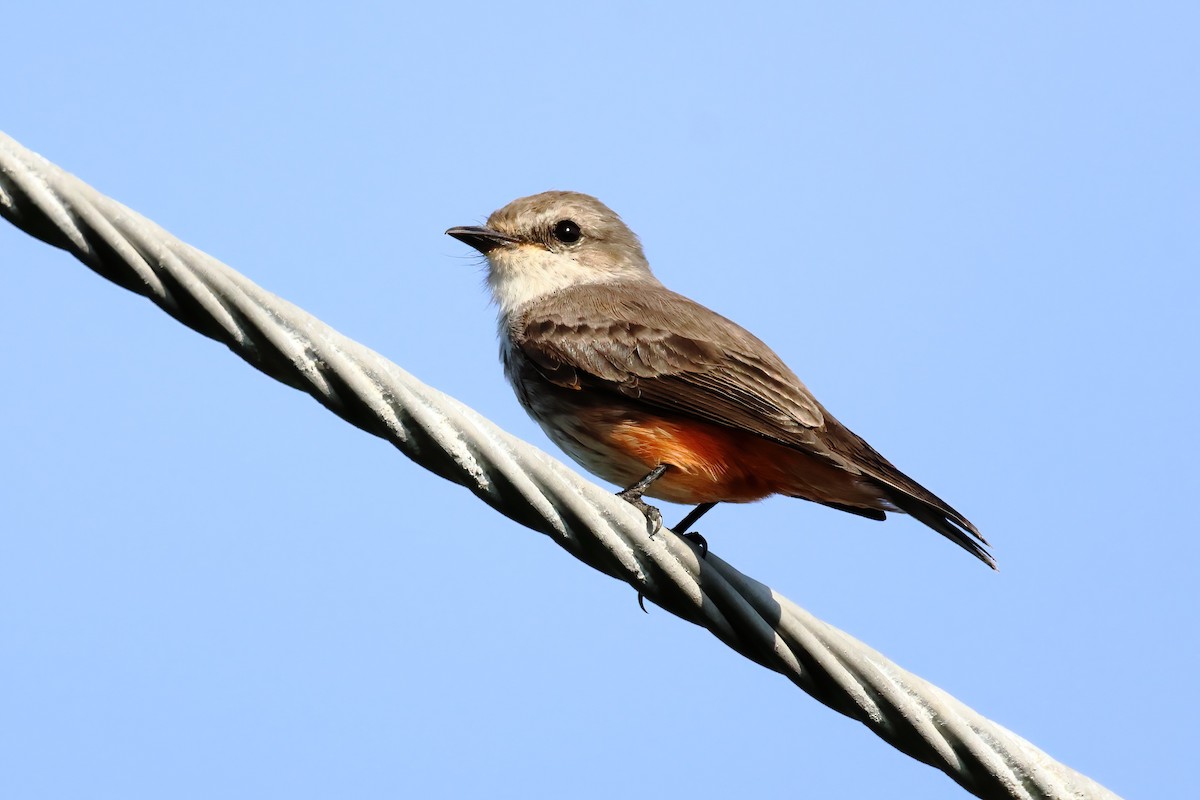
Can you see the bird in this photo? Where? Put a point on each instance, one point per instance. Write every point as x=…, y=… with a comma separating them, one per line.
x=657, y=393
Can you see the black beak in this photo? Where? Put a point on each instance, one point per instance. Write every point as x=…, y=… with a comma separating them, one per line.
x=482, y=239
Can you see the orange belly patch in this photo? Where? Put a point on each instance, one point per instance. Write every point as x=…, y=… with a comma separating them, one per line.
x=709, y=462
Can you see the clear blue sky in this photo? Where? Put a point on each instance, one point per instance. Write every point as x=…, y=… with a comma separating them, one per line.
x=972, y=231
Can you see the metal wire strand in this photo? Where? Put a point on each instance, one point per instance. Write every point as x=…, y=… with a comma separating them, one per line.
x=525, y=484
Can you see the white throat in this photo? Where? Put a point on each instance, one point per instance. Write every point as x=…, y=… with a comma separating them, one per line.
x=520, y=275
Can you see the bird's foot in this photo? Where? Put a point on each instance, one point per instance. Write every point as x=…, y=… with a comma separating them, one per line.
x=701, y=543
x=653, y=515
x=682, y=528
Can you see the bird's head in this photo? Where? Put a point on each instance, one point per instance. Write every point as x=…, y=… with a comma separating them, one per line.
x=541, y=244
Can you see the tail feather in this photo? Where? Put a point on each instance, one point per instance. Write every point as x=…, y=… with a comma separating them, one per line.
x=902, y=492
x=944, y=520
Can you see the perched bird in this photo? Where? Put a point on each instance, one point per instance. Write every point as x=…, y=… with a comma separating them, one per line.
x=654, y=392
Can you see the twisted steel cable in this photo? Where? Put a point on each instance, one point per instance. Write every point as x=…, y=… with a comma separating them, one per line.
x=525, y=484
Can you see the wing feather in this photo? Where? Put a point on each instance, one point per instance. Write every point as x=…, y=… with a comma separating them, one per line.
x=671, y=352
x=679, y=356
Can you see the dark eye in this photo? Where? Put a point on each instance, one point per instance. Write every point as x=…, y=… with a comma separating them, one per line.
x=567, y=231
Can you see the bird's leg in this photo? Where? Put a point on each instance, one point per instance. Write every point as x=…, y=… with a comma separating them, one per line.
x=633, y=496
x=687, y=522
x=691, y=518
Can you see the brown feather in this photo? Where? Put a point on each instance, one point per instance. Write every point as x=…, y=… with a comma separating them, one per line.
x=674, y=354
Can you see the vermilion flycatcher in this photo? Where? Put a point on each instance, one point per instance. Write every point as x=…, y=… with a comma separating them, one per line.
x=653, y=391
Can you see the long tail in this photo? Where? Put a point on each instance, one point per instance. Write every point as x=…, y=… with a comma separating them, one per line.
x=905, y=494
x=943, y=519
x=939, y=516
